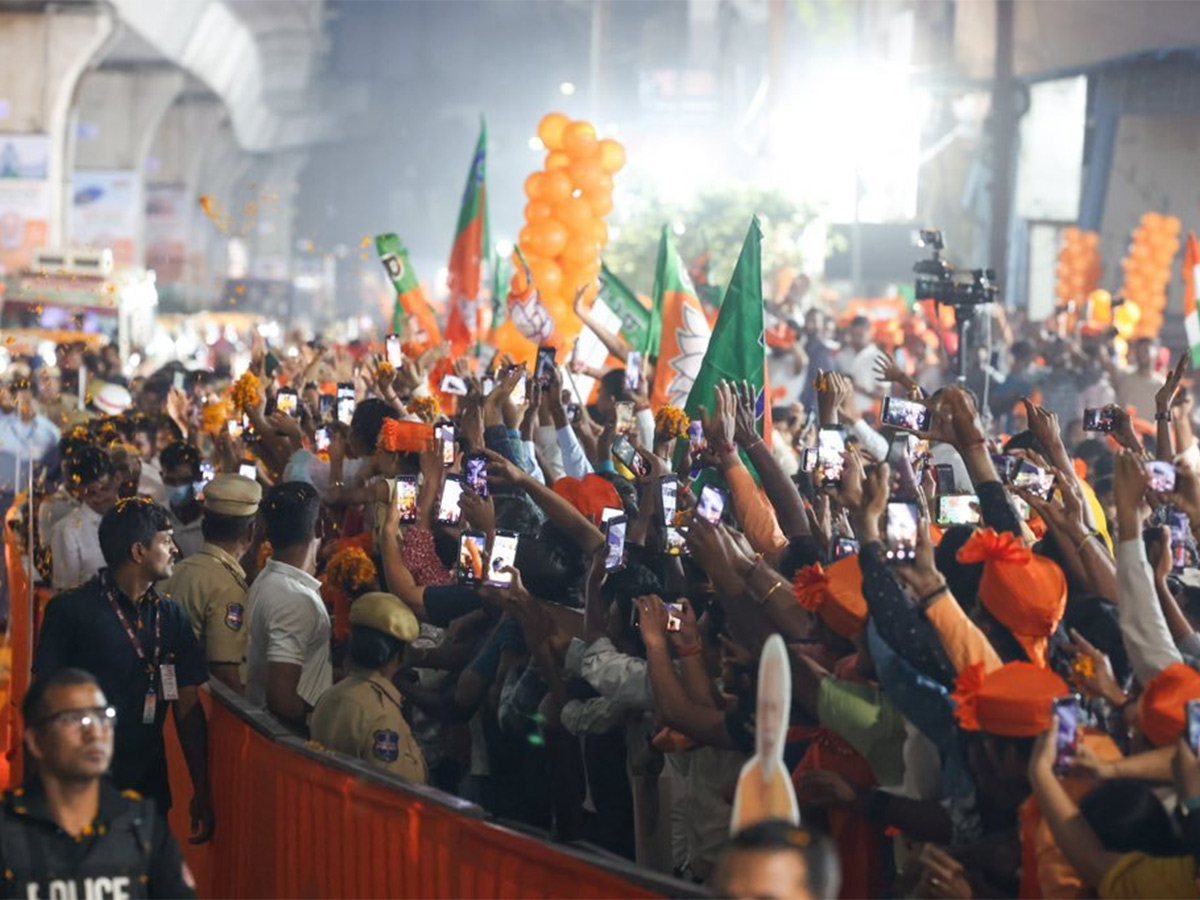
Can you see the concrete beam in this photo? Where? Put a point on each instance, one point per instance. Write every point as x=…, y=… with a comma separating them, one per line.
x=121, y=111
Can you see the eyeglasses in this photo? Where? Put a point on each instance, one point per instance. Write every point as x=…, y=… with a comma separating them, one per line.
x=102, y=717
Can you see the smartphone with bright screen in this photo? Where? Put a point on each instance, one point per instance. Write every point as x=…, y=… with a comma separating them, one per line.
x=1179, y=526
x=1006, y=466
x=696, y=434
x=711, y=504
x=471, y=548
x=234, y=427
x=322, y=440
x=624, y=416
x=544, y=369
x=503, y=556
x=614, y=543
x=1038, y=480
x=1160, y=476
x=676, y=541
x=669, y=490
x=248, y=469
x=900, y=532
x=628, y=455
x=958, y=509
x=633, y=371
x=906, y=414
x=808, y=459
x=395, y=355
x=610, y=512
x=406, y=498
x=1192, y=711
x=286, y=401
x=1102, y=419
x=521, y=391
x=453, y=384
x=345, y=402
x=445, y=434
x=1066, y=738
x=844, y=546
x=831, y=444
x=477, y=480
x=674, y=615
x=207, y=473
x=449, y=508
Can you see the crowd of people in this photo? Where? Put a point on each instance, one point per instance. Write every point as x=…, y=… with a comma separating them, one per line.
x=488, y=593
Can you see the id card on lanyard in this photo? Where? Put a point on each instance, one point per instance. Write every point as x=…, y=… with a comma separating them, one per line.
x=152, y=667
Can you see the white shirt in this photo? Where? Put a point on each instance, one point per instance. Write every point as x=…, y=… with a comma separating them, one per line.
x=288, y=624
x=187, y=537
x=151, y=484
x=75, y=548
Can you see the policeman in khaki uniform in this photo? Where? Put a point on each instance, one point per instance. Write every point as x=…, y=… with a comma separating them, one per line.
x=210, y=585
x=360, y=715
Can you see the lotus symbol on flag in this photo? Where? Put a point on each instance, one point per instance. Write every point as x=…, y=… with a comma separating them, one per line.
x=531, y=318
x=691, y=337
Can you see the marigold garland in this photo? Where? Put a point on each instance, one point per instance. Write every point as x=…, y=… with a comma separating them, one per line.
x=213, y=417
x=671, y=422
x=246, y=393
x=350, y=569
x=385, y=372
x=427, y=409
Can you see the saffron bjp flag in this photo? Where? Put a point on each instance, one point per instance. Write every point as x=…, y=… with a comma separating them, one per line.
x=679, y=334
x=412, y=307
x=465, y=275
x=1191, y=311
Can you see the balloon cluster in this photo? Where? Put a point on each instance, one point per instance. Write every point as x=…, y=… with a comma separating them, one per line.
x=1147, y=269
x=1078, y=265
x=564, y=229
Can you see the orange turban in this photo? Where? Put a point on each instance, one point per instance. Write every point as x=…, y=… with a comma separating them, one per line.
x=1161, y=716
x=1012, y=701
x=835, y=595
x=398, y=436
x=591, y=495
x=1026, y=593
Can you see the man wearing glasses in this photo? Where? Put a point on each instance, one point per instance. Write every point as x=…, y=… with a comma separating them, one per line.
x=69, y=832
x=142, y=651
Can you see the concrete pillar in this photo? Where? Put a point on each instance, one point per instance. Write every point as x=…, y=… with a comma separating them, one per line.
x=42, y=56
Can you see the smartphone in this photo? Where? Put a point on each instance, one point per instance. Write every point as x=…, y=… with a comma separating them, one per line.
x=1006, y=467
x=503, y=555
x=207, y=473
x=808, y=459
x=286, y=401
x=453, y=384
x=711, y=505
x=624, y=416
x=610, y=512
x=629, y=457
x=395, y=355
x=574, y=413
x=323, y=440
x=1179, y=526
x=614, y=542
x=450, y=508
x=325, y=404
x=674, y=615
x=906, y=414
x=405, y=498
x=1066, y=739
x=521, y=391
x=234, y=427
x=247, y=468
x=345, y=402
x=445, y=434
x=900, y=531
x=179, y=380
x=544, y=367
x=1193, y=725
x=633, y=371
x=1102, y=419
x=668, y=490
x=1021, y=507
x=676, y=541
x=249, y=433
x=488, y=385
x=696, y=435
x=477, y=479
x=1036, y=479
x=1161, y=476
x=831, y=444
x=843, y=547
x=944, y=477
x=958, y=509
x=471, y=548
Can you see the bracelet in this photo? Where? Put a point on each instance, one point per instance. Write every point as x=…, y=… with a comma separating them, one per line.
x=1083, y=540
x=685, y=652
x=762, y=601
x=924, y=602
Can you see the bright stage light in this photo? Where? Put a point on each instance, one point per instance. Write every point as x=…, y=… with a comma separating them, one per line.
x=535, y=143
x=567, y=88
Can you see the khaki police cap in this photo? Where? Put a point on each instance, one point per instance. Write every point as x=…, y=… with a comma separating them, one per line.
x=386, y=613
x=232, y=495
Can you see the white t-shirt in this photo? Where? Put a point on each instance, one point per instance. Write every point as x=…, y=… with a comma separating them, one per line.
x=75, y=548
x=288, y=624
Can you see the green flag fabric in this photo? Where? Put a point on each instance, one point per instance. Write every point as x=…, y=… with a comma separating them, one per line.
x=635, y=318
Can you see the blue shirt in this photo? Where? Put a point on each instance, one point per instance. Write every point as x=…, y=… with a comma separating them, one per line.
x=19, y=441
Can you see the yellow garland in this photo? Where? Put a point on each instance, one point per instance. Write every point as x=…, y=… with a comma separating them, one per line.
x=350, y=569
x=246, y=394
x=427, y=409
x=213, y=416
x=671, y=422
x=385, y=373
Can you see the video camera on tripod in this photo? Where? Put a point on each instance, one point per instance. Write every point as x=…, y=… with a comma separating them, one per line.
x=940, y=281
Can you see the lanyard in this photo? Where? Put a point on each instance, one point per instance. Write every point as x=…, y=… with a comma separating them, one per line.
x=151, y=667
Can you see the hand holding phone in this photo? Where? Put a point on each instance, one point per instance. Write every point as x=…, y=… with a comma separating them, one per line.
x=900, y=531
x=502, y=557
x=406, y=498
x=450, y=506
x=614, y=543
x=1102, y=419
x=476, y=471
x=906, y=414
x=711, y=505
x=831, y=447
x=471, y=548
x=1066, y=736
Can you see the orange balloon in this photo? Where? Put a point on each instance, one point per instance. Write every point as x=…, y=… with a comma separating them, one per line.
x=586, y=174
x=579, y=140
x=612, y=156
x=550, y=129
x=599, y=232
x=534, y=185
x=556, y=186
x=581, y=249
x=547, y=276
x=600, y=202
x=548, y=238
x=589, y=271
x=575, y=213
x=557, y=159
x=525, y=237
x=536, y=210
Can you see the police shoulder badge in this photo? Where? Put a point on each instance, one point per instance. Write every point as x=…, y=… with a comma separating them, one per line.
x=234, y=615
x=386, y=745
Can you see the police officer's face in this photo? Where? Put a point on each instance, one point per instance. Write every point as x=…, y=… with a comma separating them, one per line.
x=74, y=739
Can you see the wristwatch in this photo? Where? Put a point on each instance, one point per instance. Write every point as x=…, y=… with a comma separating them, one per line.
x=1164, y=416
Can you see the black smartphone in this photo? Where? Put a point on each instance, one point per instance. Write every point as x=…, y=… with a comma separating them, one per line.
x=668, y=491
x=325, y=404
x=477, y=478
x=711, y=504
x=675, y=615
x=943, y=474
x=1036, y=479
x=1006, y=466
x=249, y=432
x=906, y=414
x=831, y=444
x=544, y=368
x=843, y=547
x=450, y=505
x=1102, y=419
x=445, y=434
x=900, y=531
x=1066, y=738
x=958, y=509
x=395, y=355
x=503, y=556
x=614, y=542
x=696, y=435
x=345, y=402
x=286, y=401
x=472, y=547
x=676, y=541
x=406, y=497
x=1180, y=526
x=629, y=457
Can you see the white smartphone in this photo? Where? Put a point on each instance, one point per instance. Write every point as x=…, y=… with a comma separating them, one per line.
x=449, y=509
x=503, y=556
